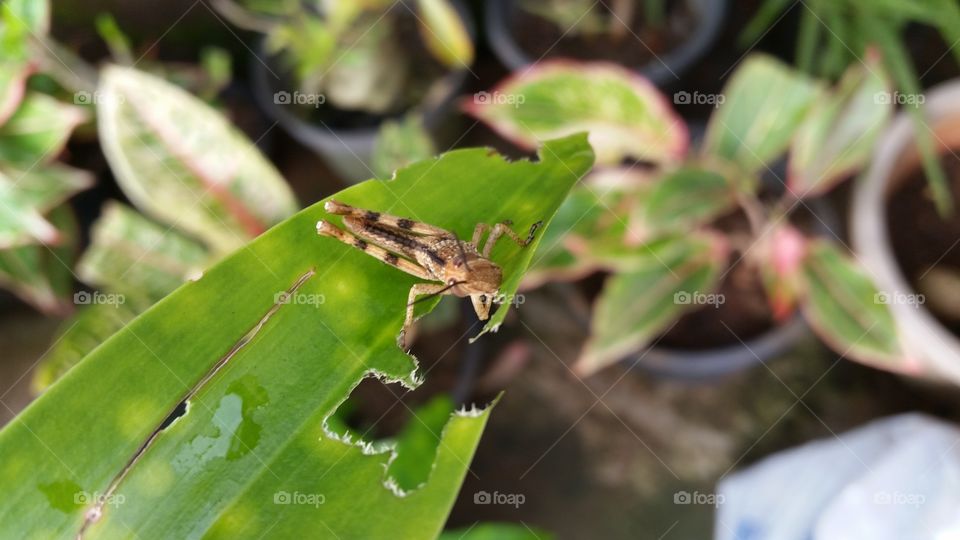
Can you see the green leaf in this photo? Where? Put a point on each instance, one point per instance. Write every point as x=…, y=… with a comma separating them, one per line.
x=400, y=143
x=182, y=163
x=626, y=116
x=417, y=444
x=260, y=371
x=444, y=33
x=26, y=196
x=637, y=305
x=41, y=274
x=682, y=199
x=32, y=14
x=133, y=255
x=83, y=332
x=38, y=130
x=837, y=137
x=846, y=310
x=764, y=104
x=497, y=531
x=590, y=230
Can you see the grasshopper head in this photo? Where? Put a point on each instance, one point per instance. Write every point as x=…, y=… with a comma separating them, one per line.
x=480, y=280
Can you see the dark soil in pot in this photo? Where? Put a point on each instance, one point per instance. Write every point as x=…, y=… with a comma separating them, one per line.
x=926, y=245
x=541, y=38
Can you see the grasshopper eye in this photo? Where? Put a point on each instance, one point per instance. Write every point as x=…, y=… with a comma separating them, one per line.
x=451, y=282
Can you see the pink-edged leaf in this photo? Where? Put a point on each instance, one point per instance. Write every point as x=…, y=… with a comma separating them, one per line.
x=626, y=116
x=38, y=130
x=40, y=274
x=763, y=106
x=637, y=305
x=846, y=310
x=26, y=196
x=184, y=164
x=839, y=133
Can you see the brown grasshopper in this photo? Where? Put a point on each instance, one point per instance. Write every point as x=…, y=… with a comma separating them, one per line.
x=427, y=252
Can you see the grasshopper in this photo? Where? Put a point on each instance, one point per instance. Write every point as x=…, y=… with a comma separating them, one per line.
x=427, y=252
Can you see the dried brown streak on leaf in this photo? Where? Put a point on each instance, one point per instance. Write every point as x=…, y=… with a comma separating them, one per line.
x=96, y=512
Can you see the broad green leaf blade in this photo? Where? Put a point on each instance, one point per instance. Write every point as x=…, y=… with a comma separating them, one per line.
x=417, y=444
x=26, y=196
x=182, y=163
x=637, y=305
x=133, y=255
x=497, y=531
x=838, y=135
x=83, y=332
x=765, y=102
x=41, y=274
x=38, y=130
x=14, y=61
x=682, y=199
x=444, y=33
x=626, y=116
x=846, y=310
x=296, y=321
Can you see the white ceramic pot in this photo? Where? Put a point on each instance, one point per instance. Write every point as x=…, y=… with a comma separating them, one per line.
x=933, y=351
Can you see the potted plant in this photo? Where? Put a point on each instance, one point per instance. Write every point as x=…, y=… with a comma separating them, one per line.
x=659, y=39
x=332, y=72
x=703, y=255
x=909, y=246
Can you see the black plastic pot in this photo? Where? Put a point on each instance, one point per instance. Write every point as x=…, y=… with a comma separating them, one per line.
x=662, y=72
x=347, y=150
x=706, y=364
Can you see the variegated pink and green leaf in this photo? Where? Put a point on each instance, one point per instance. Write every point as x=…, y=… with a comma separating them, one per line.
x=625, y=115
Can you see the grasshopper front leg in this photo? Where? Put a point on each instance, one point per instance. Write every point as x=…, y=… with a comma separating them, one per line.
x=500, y=229
x=418, y=289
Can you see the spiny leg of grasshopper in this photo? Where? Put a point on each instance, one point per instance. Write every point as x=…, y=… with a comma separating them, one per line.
x=500, y=229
